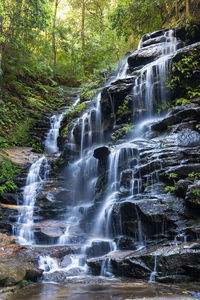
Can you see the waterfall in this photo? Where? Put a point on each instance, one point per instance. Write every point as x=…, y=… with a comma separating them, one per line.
x=52, y=136
x=153, y=73
x=88, y=219
x=36, y=178
x=124, y=158
x=33, y=186
x=154, y=272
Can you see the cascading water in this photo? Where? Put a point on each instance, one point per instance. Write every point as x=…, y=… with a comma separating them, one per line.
x=150, y=84
x=34, y=182
x=97, y=234
x=36, y=178
x=143, y=92
x=52, y=136
x=154, y=273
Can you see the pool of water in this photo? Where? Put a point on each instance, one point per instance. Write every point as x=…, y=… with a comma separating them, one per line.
x=84, y=289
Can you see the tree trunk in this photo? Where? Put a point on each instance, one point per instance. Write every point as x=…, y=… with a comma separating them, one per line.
x=187, y=8
x=54, y=33
x=1, y=48
x=131, y=40
x=177, y=11
x=83, y=33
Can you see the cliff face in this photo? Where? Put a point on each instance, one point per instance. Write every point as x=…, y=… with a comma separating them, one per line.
x=158, y=189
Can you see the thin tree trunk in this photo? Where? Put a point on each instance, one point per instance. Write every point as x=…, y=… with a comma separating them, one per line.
x=131, y=40
x=1, y=49
x=177, y=10
x=187, y=8
x=83, y=33
x=54, y=33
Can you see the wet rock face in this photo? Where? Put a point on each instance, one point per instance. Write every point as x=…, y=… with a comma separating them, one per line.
x=144, y=56
x=193, y=194
x=171, y=263
x=154, y=215
x=182, y=33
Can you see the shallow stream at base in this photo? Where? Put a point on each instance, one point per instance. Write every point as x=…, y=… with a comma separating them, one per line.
x=90, y=288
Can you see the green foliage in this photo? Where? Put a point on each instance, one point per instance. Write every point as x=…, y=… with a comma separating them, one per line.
x=137, y=16
x=192, y=31
x=8, y=171
x=23, y=283
x=122, y=132
x=198, y=126
x=185, y=79
x=196, y=193
x=194, y=176
x=172, y=176
x=193, y=92
x=19, y=114
x=123, y=111
x=161, y=107
x=128, y=127
x=74, y=112
x=170, y=189
x=92, y=84
x=182, y=101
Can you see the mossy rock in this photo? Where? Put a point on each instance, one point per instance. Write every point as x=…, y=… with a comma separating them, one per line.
x=13, y=271
x=193, y=194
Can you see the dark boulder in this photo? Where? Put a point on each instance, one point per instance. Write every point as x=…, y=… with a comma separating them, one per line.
x=193, y=194
x=162, y=125
x=144, y=56
x=169, y=262
x=101, y=153
x=153, y=41
x=181, y=187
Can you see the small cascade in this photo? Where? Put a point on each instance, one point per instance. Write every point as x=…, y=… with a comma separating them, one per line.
x=36, y=178
x=34, y=182
x=48, y=264
x=152, y=278
x=122, y=69
x=119, y=158
x=52, y=136
x=83, y=171
x=140, y=236
x=150, y=84
x=72, y=266
x=106, y=268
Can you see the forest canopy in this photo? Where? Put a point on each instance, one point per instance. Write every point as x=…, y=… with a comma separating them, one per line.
x=70, y=40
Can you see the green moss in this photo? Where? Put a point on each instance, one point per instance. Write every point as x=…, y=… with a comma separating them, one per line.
x=169, y=188
x=8, y=171
x=74, y=112
x=184, y=80
x=123, y=110
x=172, y=178
x=24, y=283
x=92, y=85
x=19, y=113
x=182, y=101
x=122, y=132
x=194, y=176
x=66, y=131
x=195, y=195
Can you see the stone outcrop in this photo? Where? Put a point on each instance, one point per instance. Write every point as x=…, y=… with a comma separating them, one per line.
x=170, y=263
x=15, y=263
